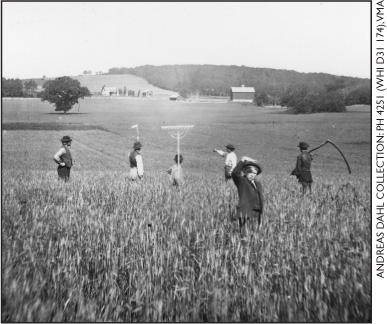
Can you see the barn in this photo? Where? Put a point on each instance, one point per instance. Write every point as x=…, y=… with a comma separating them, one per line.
x=242, y=94
x=109, y=91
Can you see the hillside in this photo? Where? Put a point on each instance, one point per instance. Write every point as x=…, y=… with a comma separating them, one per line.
x=95, y=83
x=217, y=79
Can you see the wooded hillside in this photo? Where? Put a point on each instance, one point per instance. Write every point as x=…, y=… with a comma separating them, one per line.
x=217, y=79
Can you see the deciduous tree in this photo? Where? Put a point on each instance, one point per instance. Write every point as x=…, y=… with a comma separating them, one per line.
x=11, y=87
x=63, y=92
x=302, y=99
x=30, y=86
x=261, y=99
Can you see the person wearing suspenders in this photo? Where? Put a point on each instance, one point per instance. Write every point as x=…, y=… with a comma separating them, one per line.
x=136, y=163
x=63, y=159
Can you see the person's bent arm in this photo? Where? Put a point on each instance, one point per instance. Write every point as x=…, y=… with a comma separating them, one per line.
x=57, y=156
x=236, y=174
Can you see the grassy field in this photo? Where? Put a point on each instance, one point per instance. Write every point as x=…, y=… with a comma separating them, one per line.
x=100, y=248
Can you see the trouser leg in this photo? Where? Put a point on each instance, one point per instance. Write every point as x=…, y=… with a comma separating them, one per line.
x=64, y=173
x=304, y=186
x=242, y=226
x=253, y=224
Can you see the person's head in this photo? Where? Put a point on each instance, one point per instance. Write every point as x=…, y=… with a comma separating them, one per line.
x=303, y=146
x=137, y=146
x=230, y=148
x=251, y=170
x=66, y=140
x=180, y=158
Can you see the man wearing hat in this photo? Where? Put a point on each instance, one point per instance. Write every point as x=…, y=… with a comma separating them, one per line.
x=302, y=170
x=135, y=162
x=250, y=206
x=231, y=160
x=63, y=159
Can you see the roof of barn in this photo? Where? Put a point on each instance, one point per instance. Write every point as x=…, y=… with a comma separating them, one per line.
x=242, y=89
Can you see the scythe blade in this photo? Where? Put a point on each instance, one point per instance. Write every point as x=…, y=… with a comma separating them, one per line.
x=328, y=141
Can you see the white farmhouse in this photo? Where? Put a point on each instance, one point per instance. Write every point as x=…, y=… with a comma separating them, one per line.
x=109, y=91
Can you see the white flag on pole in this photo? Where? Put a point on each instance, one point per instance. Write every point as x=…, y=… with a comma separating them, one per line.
x=135, y=126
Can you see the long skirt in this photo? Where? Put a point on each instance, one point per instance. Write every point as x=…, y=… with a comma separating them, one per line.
x=64, y=172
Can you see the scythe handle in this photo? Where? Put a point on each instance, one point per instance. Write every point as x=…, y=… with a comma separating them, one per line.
x=327, y=141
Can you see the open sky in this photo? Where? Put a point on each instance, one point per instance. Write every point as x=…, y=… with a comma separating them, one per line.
x=62, y=38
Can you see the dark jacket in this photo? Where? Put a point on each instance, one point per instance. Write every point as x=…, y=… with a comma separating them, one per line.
x=250, y=198
x=302, y=170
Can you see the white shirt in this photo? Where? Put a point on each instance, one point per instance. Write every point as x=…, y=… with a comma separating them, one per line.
x=59, y=154
x=176, y=173
x=231, y=159
x=140, y=165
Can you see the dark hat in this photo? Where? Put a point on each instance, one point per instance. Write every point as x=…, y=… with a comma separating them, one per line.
x=137, y=145
x=230, y=146
x=303, y=145
x=254, y=164
x=66, y=139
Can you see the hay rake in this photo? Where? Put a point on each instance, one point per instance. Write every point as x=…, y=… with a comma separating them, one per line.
x=177, y=132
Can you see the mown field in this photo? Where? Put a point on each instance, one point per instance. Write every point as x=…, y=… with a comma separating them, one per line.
x=100, y=248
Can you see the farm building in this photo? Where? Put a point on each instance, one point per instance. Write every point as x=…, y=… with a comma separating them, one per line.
x=109, y=91
x=147, y=93
x=242, y=94
x=175, y=97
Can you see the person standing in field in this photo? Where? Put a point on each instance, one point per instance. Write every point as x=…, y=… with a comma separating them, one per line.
x=302, y=170
x=231, y=160
x=136, y=163
x=176, y=171
x=250, y=206
x=63, y=159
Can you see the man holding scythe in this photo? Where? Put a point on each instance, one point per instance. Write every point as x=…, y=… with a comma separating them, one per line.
x=302, y=170
x=304, y=161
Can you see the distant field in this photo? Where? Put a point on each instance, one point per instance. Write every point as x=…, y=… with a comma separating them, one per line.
x=95, y=83
x=264, y=133
x=101, y=248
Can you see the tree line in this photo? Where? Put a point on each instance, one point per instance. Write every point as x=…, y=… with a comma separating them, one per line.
x=15, y=88
x=272, y=86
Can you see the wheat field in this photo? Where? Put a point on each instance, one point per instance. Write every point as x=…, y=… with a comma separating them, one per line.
x=100, y=248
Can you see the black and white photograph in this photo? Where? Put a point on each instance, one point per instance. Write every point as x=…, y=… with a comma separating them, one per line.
x=192, y=162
